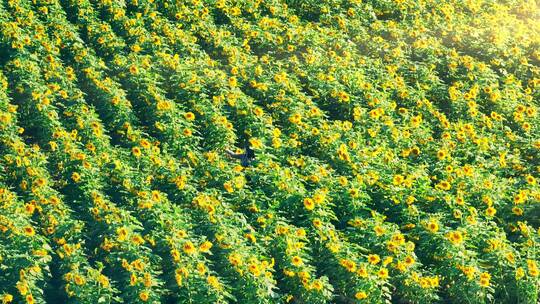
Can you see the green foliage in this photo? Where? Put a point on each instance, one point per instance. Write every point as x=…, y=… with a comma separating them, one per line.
x=396, y=151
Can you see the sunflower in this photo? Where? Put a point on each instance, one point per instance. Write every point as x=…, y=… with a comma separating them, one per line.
x=374, y=259
x=360, y=295
x=30, y=299
x=444, y=185
x=490, y=211
x=136, y=151
x=383, y=273
x=398, y=180
x=29, y=231
x=484, y=279
x=348, y=264
x=189, y=116
x=362, y=272
x=297, y=261
x=78, y=280
x=133, y=69
x=205, y=246
x=144, y=296
x=213, y=281
x=76, y=177
x=455, y=237
x=189, y=248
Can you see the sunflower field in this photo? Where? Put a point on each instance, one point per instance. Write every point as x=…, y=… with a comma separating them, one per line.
x=396, y=143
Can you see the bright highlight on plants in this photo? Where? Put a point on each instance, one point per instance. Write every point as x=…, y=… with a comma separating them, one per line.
x=269, y=151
